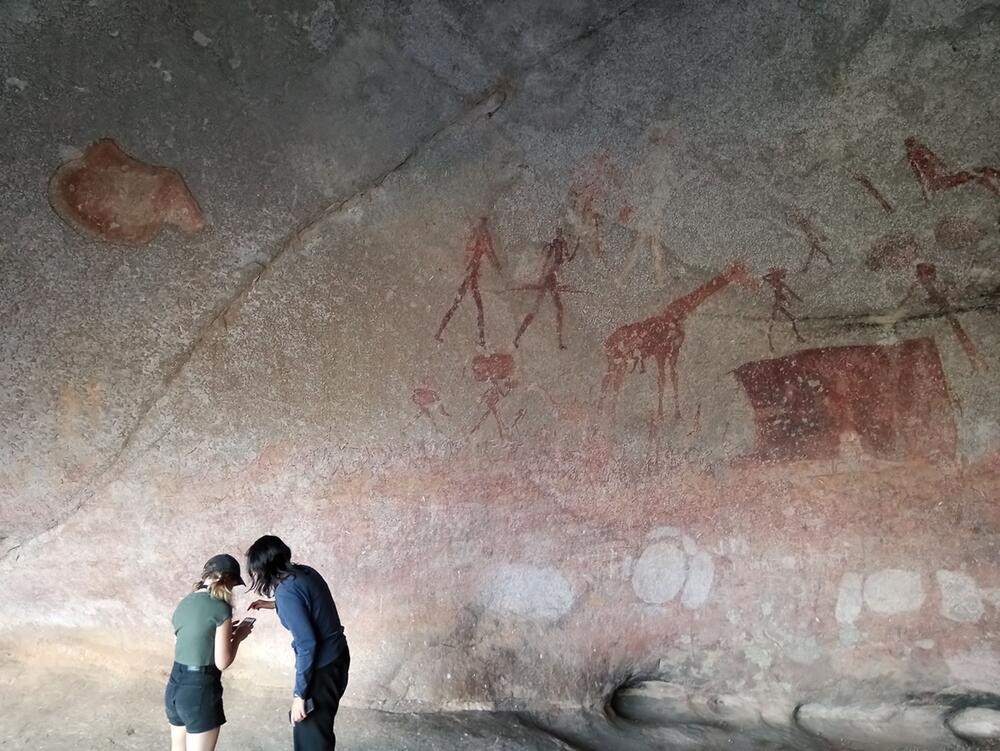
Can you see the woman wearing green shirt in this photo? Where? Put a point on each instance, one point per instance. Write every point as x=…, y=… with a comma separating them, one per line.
x=207, y=640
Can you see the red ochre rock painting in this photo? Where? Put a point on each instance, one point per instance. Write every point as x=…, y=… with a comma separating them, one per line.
x=660, y=337
x=897, y=250
x=556, y=253
x=934, y=175
x=497, y=370
x=958, y=233
x=113, y=196
x=427, y=400
x=479, y=248
x=893, y=397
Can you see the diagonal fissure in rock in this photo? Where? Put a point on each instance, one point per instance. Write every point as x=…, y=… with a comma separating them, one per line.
x=224, y=314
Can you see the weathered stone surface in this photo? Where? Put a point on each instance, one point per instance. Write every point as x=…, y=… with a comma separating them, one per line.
x=674, y=195
x=660, y=573
x=528, y=591
x=894, y=591
x=115, y=197
x=850, y=598
x=960, y=597
x=976, y=723
x=885, y=726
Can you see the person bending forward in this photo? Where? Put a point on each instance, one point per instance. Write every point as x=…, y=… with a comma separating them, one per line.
x=306, y=608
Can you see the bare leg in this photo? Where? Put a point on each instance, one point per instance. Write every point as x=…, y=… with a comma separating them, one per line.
x=451, y=311
x=178, y=738
x=480, y=316
x=528, y=318
x=673, y=381
x=795, y=328
x=557, y=301
x=203, y=741
x=479, y=424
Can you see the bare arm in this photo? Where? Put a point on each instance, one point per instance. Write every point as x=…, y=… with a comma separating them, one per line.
x=227, y=641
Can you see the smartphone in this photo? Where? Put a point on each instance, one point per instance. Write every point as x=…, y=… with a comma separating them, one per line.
x=310, y=705
x=248, y=621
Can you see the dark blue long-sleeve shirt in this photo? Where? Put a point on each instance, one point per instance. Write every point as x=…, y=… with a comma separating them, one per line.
x=306, y=608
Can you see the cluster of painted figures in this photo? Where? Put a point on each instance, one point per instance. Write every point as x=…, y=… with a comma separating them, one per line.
x=660, y=336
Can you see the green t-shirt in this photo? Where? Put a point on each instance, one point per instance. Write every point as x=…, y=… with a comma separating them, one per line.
x=195, y=620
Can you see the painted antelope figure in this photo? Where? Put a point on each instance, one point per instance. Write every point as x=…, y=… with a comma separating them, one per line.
x=661, y=337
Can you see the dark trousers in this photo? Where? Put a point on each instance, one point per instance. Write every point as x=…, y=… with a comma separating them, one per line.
x=315, y=732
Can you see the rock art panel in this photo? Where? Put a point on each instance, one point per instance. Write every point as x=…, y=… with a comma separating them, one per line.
x=660, y=337
x=893, y=591
x=497, y=371
x=874, y=192
x=927, y=279
x=934, y=176
x=783, y=297
x=428, y=402
x=556, y=253
x=814, y=237
x=478, y=249
x=958, y=233
x=961, y=600
x=112, y=196
x=894, y=251
x=893, y=397
x=589, y=190
x=532, y=592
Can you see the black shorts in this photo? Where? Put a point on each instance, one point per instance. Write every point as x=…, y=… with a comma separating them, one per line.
x=194, y=699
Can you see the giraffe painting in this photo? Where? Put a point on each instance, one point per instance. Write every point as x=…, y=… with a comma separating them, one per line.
x=661, y=337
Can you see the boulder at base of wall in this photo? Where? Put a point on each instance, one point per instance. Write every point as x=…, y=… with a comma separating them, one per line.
x=664, y=704
x=888, y=726
x=976, y=724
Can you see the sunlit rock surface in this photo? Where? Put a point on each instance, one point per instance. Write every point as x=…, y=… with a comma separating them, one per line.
x=629, y=368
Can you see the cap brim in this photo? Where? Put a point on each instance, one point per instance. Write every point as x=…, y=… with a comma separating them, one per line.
x=238, y=582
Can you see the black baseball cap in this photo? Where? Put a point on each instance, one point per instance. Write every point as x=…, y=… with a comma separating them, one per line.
x=227, y=565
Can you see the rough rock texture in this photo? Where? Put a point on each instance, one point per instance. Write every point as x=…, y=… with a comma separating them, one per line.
x=582, y=344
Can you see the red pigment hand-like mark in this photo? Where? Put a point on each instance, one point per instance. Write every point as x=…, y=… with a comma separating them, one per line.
x=783, y=296
x=478, y=249
x=893, y=397
x=660, y=337
x=874, y=192
x=113, y=196
x=556, y=254
x=934, y=176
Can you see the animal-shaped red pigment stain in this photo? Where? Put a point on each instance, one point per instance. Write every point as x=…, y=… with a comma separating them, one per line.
x=660, y=337
x=934, y=175
x=893, y=397
x=113, y=196
x=478, y=249
x=556, y=253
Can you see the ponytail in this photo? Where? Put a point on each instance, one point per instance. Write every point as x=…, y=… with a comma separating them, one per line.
x=217, y=586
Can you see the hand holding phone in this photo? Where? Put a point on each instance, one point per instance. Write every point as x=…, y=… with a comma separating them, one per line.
x=308, y=706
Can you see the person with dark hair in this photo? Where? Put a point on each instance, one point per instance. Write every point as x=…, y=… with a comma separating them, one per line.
x=207, y=641
x=322, y=660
